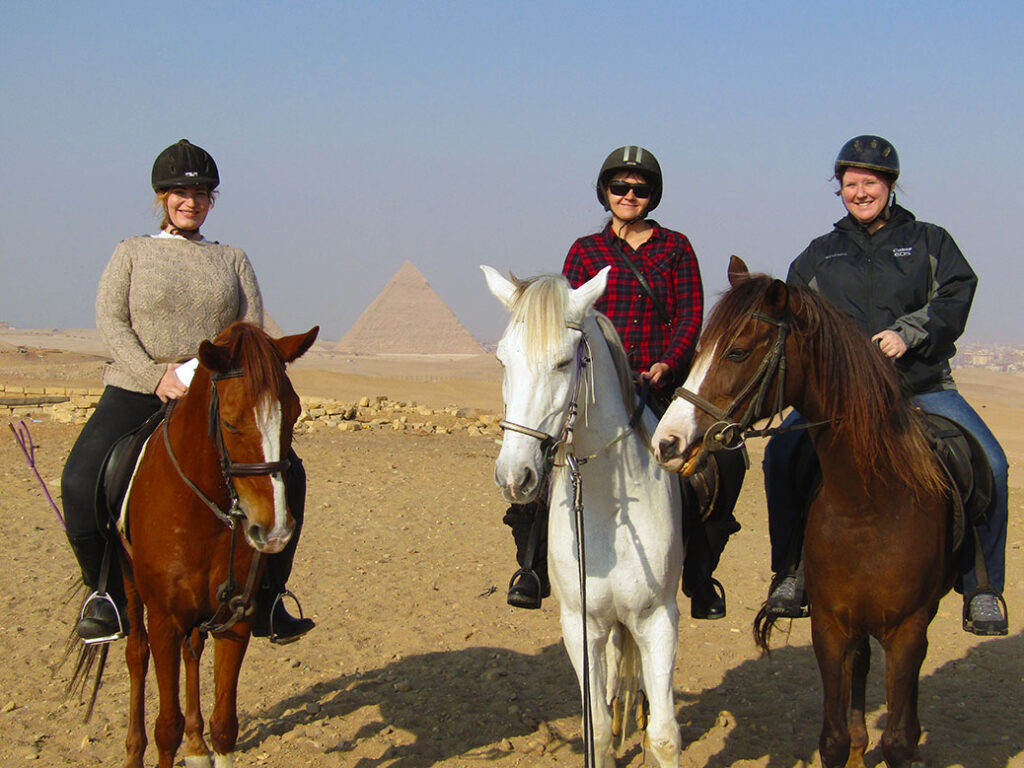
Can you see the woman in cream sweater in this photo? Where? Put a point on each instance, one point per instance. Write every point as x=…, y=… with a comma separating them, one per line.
x=158, y=298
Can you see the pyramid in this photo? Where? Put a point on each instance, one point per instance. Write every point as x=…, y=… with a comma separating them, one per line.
x=408, y=317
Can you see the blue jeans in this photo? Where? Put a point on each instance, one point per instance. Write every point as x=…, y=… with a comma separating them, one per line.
x=787, y=498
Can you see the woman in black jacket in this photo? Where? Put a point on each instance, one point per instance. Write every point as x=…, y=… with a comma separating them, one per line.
x=908, y=286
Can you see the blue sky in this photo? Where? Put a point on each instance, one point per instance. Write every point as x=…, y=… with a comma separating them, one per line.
x=352, y=137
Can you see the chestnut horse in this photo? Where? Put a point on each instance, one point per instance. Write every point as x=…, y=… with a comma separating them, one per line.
x=212, y=471
x=877, y=550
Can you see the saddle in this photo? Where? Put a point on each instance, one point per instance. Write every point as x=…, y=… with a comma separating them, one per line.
x=967, y=467
x=117, y=472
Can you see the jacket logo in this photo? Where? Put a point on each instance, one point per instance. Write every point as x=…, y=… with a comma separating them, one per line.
x=834, y=255
x=901, y=252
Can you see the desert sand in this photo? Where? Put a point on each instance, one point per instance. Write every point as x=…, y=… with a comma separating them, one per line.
x=416, y=659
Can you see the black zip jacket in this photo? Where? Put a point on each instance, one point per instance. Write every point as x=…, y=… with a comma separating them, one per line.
x=908, y=277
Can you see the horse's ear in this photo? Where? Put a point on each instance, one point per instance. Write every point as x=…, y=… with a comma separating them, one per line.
x=294, y=347
x=738, y=271
x=777, y=297
x=504, y=290
x=581, y=299
x=214, y=358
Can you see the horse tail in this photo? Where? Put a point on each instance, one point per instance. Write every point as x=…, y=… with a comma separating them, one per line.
x=625, y=689
x=763, y=626
x=90, y=661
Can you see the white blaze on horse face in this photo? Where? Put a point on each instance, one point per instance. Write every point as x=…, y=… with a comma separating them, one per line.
x=268, y=416
x=679, y=422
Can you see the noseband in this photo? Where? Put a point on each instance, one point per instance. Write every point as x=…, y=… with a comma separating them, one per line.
x=726, y=433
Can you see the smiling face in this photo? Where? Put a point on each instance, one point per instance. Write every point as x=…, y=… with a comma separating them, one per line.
x=628, y=207
x=187, y=207
x=865, y=195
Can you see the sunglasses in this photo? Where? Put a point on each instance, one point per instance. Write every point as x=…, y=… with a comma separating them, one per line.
x=621, y=188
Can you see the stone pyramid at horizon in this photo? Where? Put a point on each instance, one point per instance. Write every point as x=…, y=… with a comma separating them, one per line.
x=408, y=317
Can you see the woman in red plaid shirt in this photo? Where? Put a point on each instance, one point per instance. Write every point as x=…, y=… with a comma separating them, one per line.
x=655, y=300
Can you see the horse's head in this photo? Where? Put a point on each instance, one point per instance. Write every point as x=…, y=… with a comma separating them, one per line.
x=737, y=376
x=253, y=409
x=539, y=353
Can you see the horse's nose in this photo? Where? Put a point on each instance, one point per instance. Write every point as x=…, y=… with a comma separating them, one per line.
x=668, y=448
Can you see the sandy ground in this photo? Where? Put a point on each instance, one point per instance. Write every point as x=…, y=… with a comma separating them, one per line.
x=416, y=660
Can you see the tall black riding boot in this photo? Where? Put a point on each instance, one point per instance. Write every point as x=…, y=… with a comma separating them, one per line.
x=529, y=524
x=272, y=618
x=103, y=613
x=706, y=538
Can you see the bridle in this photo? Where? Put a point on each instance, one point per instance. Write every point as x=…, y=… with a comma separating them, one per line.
x=727, y=433
x=549, y=443
x=230, y=469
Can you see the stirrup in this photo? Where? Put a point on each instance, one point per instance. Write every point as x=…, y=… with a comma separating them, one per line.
x=273, y=636
x=968, y=621
x=102, y=597
x=530, y=575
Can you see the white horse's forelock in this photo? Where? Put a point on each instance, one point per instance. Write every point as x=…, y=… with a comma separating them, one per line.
x=540, y=305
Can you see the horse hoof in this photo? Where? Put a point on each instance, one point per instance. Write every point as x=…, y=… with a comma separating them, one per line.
x=198, y=761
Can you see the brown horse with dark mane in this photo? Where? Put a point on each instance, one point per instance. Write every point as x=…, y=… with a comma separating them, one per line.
x=206, y=501
x=878, y=545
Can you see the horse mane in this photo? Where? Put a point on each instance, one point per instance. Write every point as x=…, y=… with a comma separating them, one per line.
x=251, y=349
x=541, y=304
x=860, y=389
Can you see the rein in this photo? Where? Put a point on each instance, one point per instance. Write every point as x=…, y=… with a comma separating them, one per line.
x=727, y=433
x=234, y=604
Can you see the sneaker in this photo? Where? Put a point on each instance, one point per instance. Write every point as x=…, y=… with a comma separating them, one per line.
x=787, y=598
x=983, y=615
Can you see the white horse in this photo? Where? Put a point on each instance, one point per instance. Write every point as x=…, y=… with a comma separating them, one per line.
x=557, y=362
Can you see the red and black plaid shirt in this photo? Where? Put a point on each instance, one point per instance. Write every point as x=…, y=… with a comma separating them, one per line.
x=668, y=262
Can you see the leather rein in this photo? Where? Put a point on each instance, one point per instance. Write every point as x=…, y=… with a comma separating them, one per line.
x=234, y=605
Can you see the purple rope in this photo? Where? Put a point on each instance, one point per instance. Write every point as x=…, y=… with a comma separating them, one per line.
x=24, y=440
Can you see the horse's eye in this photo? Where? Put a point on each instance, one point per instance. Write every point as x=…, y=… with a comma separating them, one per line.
x=737, y=354
x=563, y=365
x=230, y=427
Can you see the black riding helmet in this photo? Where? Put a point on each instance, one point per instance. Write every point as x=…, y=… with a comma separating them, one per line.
x=638, y=160
x=871, y=152
x=184, y=165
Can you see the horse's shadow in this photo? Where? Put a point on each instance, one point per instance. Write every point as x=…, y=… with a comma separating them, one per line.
x=481, y=686
x=968, y=708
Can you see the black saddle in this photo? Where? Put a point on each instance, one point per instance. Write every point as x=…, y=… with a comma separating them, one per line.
x=966, y=465
x=117, y=470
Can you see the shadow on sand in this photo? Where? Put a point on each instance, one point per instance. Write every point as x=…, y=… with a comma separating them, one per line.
x=969, y=707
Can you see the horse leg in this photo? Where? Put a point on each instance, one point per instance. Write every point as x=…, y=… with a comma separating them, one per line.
x=596, y=676
x=833, y=649
x=657, y=636
x=197, y=754
x=861, y=662
x=170, y=724
x=229, y=651
x=137, y=658
x=905, y=650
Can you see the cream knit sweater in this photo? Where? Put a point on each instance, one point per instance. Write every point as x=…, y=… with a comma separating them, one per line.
x=159, y=297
